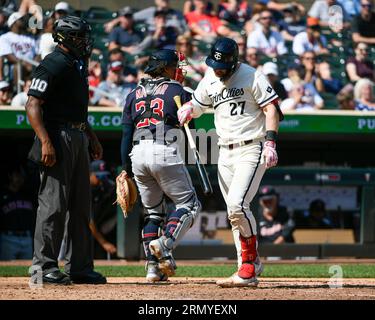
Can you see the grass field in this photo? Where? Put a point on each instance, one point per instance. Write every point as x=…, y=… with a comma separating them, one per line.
x=207, y=271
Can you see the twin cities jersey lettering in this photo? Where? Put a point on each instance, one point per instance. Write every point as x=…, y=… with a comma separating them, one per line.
x=237, y=103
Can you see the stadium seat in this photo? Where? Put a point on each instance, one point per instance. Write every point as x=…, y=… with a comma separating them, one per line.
x=99, y=14
x=141, y=28
x=330, y=101
x=203, y=47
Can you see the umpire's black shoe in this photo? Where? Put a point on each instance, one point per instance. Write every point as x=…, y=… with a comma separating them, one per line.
x=56, y=277
x=89, y=278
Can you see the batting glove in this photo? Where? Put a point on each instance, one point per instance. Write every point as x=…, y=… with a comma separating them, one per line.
x=270, y=154
x=185, y=113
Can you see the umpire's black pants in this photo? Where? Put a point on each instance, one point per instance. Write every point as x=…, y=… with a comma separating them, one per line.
x=64, y=198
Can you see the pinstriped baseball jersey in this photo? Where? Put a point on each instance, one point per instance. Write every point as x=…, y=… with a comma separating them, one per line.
x=237, y=103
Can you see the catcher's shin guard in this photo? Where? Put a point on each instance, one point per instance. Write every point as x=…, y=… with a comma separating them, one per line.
x=151, y=231
x=179, y=222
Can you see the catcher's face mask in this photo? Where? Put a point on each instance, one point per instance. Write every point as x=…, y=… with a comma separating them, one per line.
x=180, y=73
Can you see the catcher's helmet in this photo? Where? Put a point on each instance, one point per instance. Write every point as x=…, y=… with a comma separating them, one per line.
x=75, y=34
x=159, y=60
x=224, y=54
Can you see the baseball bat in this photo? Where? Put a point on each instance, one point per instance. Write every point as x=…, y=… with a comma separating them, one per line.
x=202, y=173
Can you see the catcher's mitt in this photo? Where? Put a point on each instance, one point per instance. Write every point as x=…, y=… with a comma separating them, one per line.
x=126, y=192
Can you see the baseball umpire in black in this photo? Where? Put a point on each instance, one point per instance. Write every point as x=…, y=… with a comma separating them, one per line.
x=57, y=111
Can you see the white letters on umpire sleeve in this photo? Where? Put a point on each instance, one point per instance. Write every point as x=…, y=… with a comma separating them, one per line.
x=262, y=90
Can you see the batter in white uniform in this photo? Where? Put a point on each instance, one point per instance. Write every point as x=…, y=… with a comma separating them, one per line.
x=247, y=118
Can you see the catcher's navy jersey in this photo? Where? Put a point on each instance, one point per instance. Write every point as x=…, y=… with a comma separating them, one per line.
x=151, y=102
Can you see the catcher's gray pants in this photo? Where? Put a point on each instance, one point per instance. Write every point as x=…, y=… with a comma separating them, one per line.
x=64, y=198
x=159, y=169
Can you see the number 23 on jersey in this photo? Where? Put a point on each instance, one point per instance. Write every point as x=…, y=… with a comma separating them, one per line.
x=156, y=106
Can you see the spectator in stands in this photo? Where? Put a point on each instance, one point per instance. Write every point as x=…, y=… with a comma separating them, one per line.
x=16, y=44
x=311, y=39
x=5, y=93
x=235, y=12
x=95, y=74
x=352, y=7
x=330, y=84
x=276, y=6
x=114, y=86
x=116, y=55
x=174, y=18
x=125, y=36
x=271, y=71
x=196, y=67
x=3, y=22
x=316, y=217
x=253, y=24
x=302, y=97
x=320, y=10
x=268, y=41
x=8, y=7
x=359, y=66
x=206, y=27
x=163, y=37
x=62, y=9
x=345, y=98
x=363, y=25
x=276, y=224
x=252, y=57
x=47, y=44
x=20, y=99
x=364, y=95
x=308, y=61
x=241, y=42
x=17, y=218
x=189, y=7
x=103, y=215
x=295, y=76
x=292, y=23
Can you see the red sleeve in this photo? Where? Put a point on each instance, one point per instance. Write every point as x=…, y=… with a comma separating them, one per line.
x=216, y=23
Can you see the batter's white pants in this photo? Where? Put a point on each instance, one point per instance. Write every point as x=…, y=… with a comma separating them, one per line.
x=240, y=171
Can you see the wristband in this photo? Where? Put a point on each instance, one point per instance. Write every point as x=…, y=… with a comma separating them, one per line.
x=271, y=135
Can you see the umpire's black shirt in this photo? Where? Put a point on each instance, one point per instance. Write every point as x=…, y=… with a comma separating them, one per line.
x=61, y=81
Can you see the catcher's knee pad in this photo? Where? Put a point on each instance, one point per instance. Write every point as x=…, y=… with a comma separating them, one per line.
x=240, y=221
x=152, y=229
x=180, y=221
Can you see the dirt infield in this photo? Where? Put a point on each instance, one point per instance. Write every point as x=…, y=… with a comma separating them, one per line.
x=191, y=288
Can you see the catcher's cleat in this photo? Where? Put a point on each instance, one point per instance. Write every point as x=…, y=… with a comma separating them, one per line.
x=167, y=264
x=154, y=274
x=258, y=267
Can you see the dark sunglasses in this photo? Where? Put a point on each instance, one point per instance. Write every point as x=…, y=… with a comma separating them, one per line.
x=266, y=18
x=366, y=5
